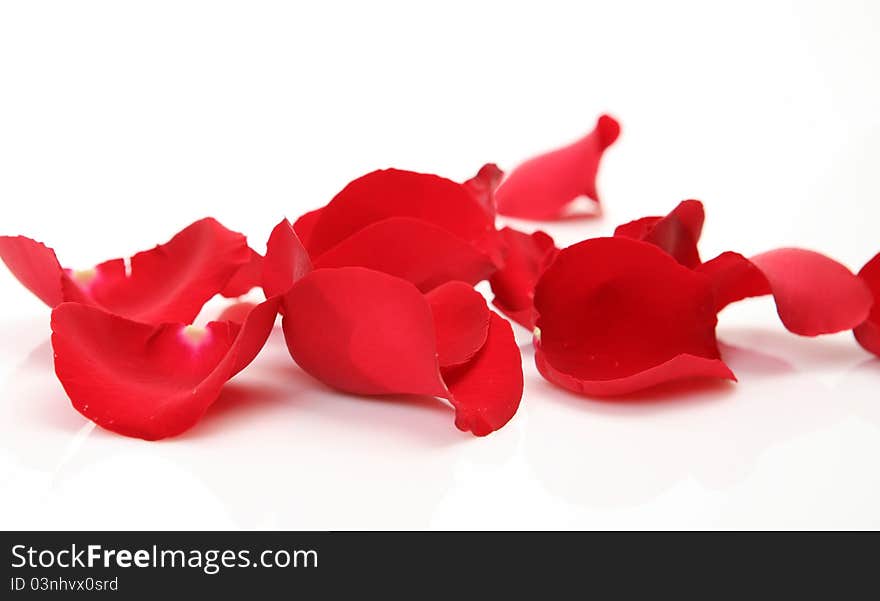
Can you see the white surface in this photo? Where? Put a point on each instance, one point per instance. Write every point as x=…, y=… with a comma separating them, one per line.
x=122, y=122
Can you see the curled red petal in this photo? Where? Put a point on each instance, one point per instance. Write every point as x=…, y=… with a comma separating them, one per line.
x=150, y=381
x=168, y=283
x=246, y=277
x=868, y=332
x=461, y=322
x=174, y=280
x=678, y=233
x=734, y=278
x=543, y=187
x=415, y=250
x=617, y=315
x=486, y=391
x=34, y=265
x=367, y=332
x=363, y=332
x=483, y=185
x=254, y=332
x=526, y=257
x=394, y=193
x=286, y=260
x=814, y=294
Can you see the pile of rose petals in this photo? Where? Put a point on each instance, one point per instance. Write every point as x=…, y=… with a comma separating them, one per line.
x=376, y=296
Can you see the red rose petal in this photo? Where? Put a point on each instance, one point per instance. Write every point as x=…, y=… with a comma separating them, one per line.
x=415, y=250
x=486, y=392
x=246, y=278
x=868, y=332
x=526, y=258
x=168, y=283
x=36, y=267
x=617, y=315
x=814, y=294
x=678, y=233
x=150, y=381
x=254, y=332
x=483, y=185
x=173, y=281
x=305, y=224
x=542, y=187
x=461, y=322
x=638, y=228
x=684, y=366
x=367, y=332
x=286, y=260
x=734, y=278
x=363, y=332
x=394, y=193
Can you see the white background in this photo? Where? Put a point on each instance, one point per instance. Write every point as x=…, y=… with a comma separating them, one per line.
x=121, y=122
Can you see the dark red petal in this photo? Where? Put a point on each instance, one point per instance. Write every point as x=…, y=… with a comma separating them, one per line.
x=461, y=322
x=305, y=224
x=246, y=278
x=616, y=315
x=868, y=332
x=678, y=233
x=483, y=185
x=363, y=332
x=691, y=215
x=486, y=392
x=286, y=260
x=814, y=294
x=542, y=187
x=734, y=278
x=526, y=257
x=393, y=193
x=415, y=250
x=150, y=381
x=35, y=265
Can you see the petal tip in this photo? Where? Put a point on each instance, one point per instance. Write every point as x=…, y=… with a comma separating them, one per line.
x=609, y=130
